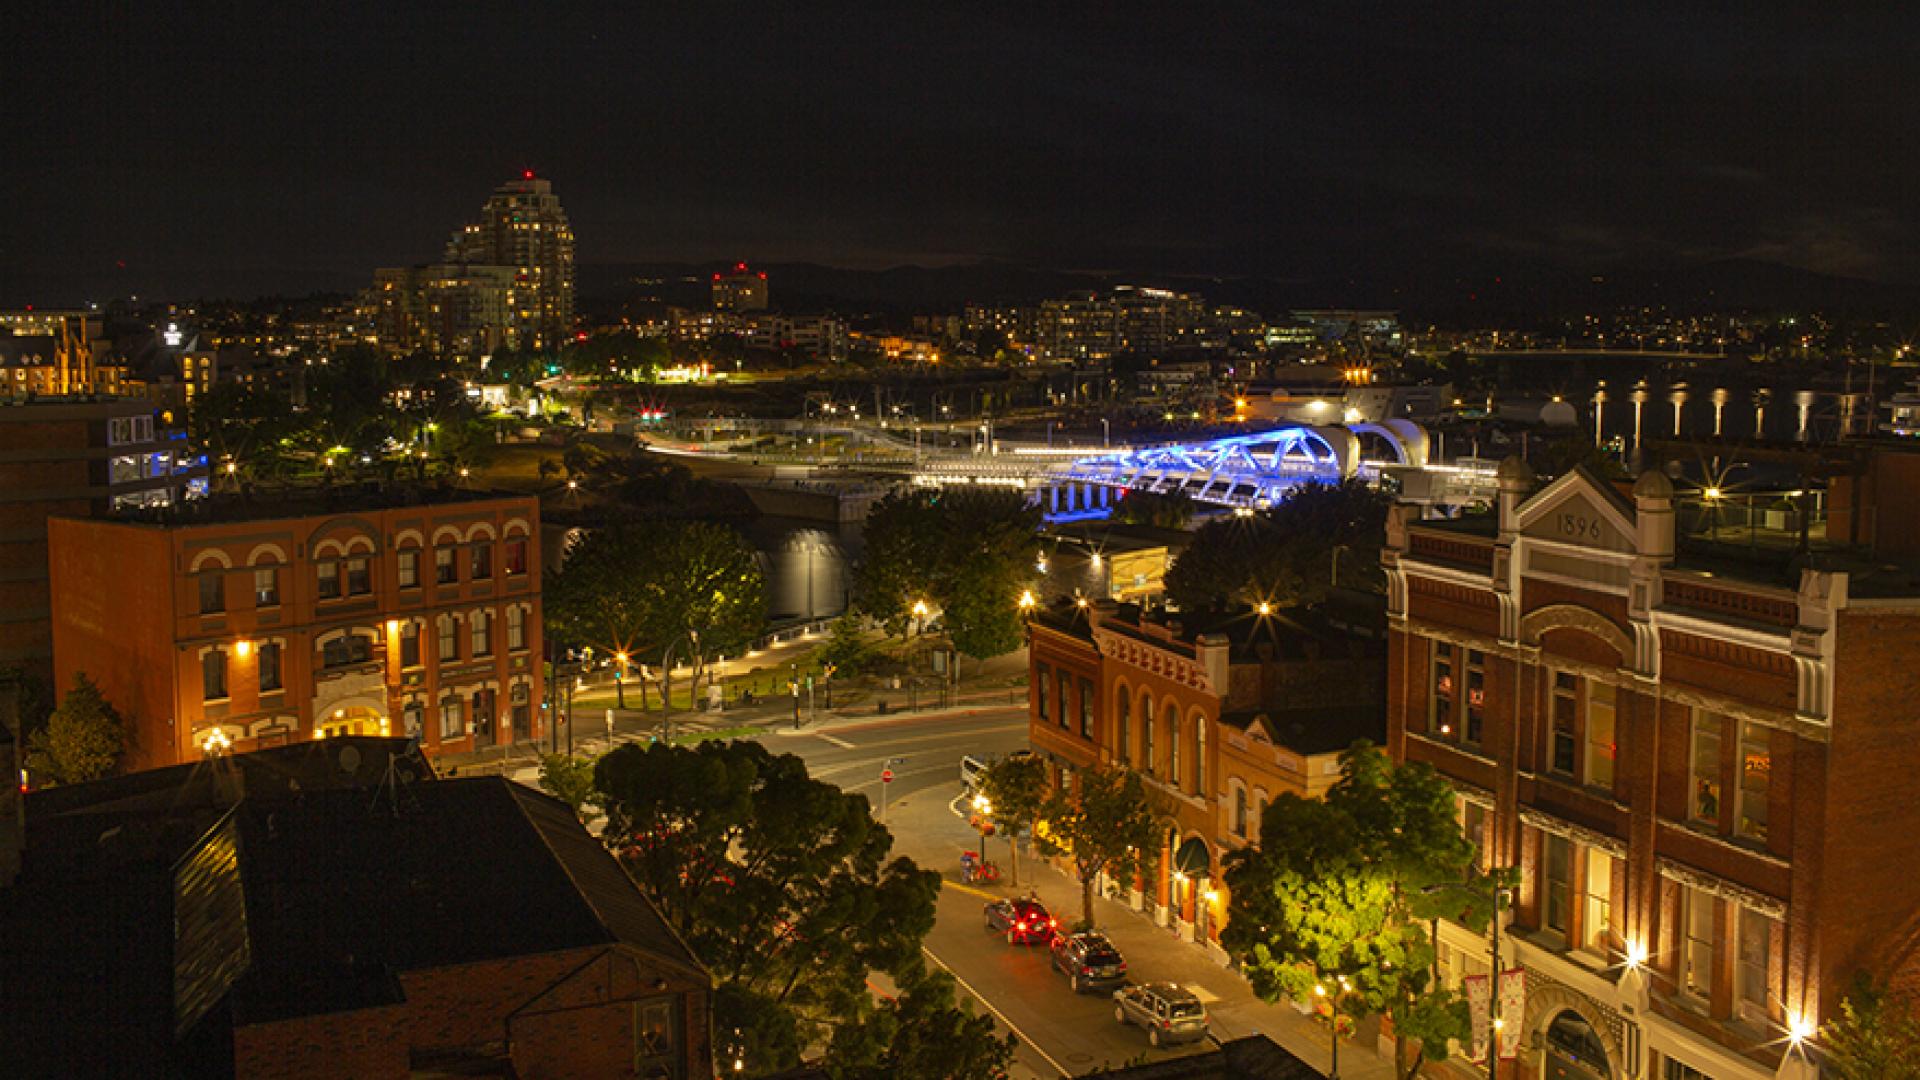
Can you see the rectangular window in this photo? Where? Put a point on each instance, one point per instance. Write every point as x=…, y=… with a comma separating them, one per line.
x=1602, y=750
x=1755, y=976
x=444, y=570
x=1756, y=775
x=409, y=575
x=656, y=1038
x=359, y=580
x=413, y=720
x=1564, y=745
x=522, y=711
x=1043, y=686
x=483, y=710
x=453, y=721
x=213, y=675
x=449, y=639
x=1441, y=700
x=1476, y=696
x=482, y=623
x=516, y=557
x=213, y=593
x=1473, y=825
x=1200, y=756
x=329, y=580
x=1596, y=902
x=1704, y=807
x=1061, y=684
x=516, y=629
x=269, y=654
x=482, y=557
x=266, y=586
x=1696, y=944
x=1559, y=883
x=410, y=644
x=1677, y=1070
x=1086, y=709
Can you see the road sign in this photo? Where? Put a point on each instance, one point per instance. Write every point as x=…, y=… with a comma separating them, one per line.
x=886, y=776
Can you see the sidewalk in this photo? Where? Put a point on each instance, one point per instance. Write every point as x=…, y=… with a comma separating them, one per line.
x=1157, y=954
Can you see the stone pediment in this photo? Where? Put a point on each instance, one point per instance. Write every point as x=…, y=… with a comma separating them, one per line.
x=1580, y=509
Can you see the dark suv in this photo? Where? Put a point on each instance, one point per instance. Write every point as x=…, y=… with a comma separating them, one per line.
x=1089, y=960
x=1025, y=920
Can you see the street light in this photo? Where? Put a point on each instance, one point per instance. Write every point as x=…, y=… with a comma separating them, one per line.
x=1026, y=600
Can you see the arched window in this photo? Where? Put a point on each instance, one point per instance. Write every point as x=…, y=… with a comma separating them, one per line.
x=1200, y=756
x=1147, y=761
x=1173, y=744
x=1123, y=731
x=1239, y=811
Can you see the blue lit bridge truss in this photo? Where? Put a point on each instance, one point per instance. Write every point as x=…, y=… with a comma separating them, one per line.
x=1257, y=469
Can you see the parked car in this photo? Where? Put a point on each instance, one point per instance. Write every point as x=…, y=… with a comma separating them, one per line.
x=1169, y=1012
x=1088, y=959
x=1024, y=919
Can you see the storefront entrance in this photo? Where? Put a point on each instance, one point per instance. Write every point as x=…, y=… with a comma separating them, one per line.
x=1574, y=1050
x=352, y=720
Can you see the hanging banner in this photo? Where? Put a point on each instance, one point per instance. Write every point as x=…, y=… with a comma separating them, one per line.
x=1513, y=1009
x=1478, y=989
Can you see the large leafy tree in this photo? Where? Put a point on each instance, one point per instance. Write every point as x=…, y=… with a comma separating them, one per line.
x=1877, y=1036
x=966, y=550
x=1335, y=900
x=707, y=593
x=602, y=597
x=784, y=886
x=248, y=429
x=1102, y=824
x=82, y=741
x=1015, y=788
x=1319, y=537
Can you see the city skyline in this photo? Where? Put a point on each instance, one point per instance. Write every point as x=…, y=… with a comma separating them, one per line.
x=1267, y=143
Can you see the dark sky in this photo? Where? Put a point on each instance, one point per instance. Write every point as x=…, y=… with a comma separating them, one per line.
x=254, y=151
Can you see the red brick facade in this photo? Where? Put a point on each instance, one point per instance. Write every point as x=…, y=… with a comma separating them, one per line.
x=1703, y=783
x=420, y=620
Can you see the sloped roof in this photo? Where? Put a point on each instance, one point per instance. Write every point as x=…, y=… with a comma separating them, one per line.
x=1255, y=1057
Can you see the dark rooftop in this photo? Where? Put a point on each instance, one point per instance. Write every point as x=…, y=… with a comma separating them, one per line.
x=1347, y=622
x=1327, y=729
x=317, y=501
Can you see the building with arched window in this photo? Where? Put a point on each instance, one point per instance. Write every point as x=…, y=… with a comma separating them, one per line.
x=1218, y=713
x=252, y=623
x=1700, y=766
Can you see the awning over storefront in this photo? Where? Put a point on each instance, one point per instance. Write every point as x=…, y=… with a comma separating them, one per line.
x=1192, y=859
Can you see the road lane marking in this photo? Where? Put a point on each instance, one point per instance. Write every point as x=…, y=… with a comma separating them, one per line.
x=841, y=743
x=982, y=893
x=1002, y=1017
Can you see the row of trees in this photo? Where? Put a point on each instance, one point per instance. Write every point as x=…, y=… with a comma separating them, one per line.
x=787, y=889
x=966, y=551
x=663, y=593
x=1321, y=537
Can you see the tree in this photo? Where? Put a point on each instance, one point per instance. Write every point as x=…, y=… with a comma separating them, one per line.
x=967, y=551
x=1320, y=537
x=1877, y=1036
x=707, y=594
x=569, y=779
x=600, y=597
x=918, y=1032
x=1015, y=788
x=783, y=885
x=1170, y=511
x=82, y=741
x=1333, y=900
x=847, y=650
x=1102, y=827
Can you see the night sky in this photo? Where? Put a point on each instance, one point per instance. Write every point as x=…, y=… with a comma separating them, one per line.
x=151, y=149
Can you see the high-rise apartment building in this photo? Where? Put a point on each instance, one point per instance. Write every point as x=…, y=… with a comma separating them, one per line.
x=446, y=309
x=523, y=227
x=740, y=289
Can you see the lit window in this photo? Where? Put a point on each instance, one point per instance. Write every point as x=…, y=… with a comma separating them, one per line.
x=359, y=581
x=445, y=570
x=1200, y=757
x=1123, y=728
x=1756, y=774
x=516, y=557
x=1704, y=802
x=516, y=628
x=1696, y=952
x=1173, y=744
x=482, y=626
x=1440, y=701
x=1476, y=696
x=453, y=723
x=266, y=587
x=449, y=638
x=1601, y=747
x=328, y=575
x=409, y=575
x=1754, y=976
x=1086, y=709
x=1596, y=902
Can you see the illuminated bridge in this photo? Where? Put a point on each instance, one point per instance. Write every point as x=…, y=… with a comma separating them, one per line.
x=1253, y=470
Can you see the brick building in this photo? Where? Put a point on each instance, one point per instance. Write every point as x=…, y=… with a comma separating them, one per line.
x=1218, y=713
x=331, y=909
x=1701, y=770
x=270, y=621
x=81, y=457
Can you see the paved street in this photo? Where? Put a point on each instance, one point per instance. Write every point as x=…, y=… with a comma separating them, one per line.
x=1061, y=1034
